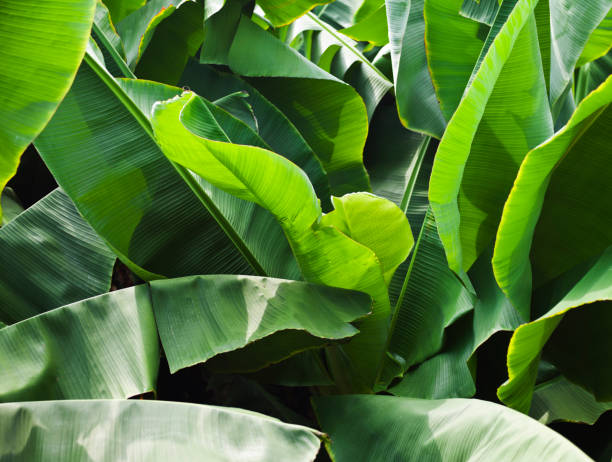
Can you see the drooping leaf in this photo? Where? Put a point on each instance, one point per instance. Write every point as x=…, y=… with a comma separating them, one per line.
x=188, y=133
x=200, y=317
x=274, y=127
x=50, y=257
x=559, y=399
x=329, y=114
x=148, y=430
x=392, y=428
x=149, y=211
x=417, y=104
x=588, y=326
x=339, y=55
x=42, y=48
x=503, y=114
x=102, y=347
x=555, y=184
x=110, y=44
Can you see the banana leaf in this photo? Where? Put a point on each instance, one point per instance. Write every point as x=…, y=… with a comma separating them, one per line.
x=375, y=428
x=283, y=12
x=42, y=48
x=108, y=431
x=548, y=189
x=190, y=135
x=599, y=43
x=223, y=313
x=11, y=206
x=481, y=137
x=417, y=103
x=588, y=304
x=102, y=347
x=149, y=211
x=50, y=257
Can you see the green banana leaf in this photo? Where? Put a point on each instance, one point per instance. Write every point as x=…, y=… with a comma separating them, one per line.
x=283, y=12
x=176, y=39
x=102, y=347
x=11, y=207
x=222, y=313
x=274, y=127
x=42, y=48
x=188, y=133
x=483, y=11
x=372, y=28
x=548, y=190
x=587, y=326
x=75, y=431
x=599, y=43
x=375, y=428
x=447, y=373
x=417, y=103
x=559, y=399
x=119, y=9
x=432, y=298
x=329, y=114
x=338, y=54
x=481, y=137
x=105, y=35
x=50, y=257
x=148, y=210
x=137, y=29
x=571, y=24
x=592, y=75
x=450, y=65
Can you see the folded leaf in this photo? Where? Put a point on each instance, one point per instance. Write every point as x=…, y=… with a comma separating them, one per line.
x=329, y=114
x=375, y=428
x=148, y=430
x=202, y=316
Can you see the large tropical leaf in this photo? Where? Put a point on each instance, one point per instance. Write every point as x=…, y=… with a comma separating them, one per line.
x=312, y=99
x=571, y=24
x=600, y=41
x=108, y=431
x=11, y=207
x=275, y=129
x=450, y=66
x=102, y=347
x=191, y=136
x=503, y=113
x=157, y=217
x=587, y=323
x=337, y=54
x=199, y=317
x=417, y=104
x=549, y=190
x=282, y=12
x=50, y=257
x=592, y=75
x=42, y=46
x=392, y=428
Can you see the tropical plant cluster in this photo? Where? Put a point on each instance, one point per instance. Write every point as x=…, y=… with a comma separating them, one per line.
x=288, y=230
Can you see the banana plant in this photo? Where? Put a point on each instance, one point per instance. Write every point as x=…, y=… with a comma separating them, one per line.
x=266, y=230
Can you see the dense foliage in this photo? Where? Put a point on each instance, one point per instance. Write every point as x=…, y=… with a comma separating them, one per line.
x=379, y=227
